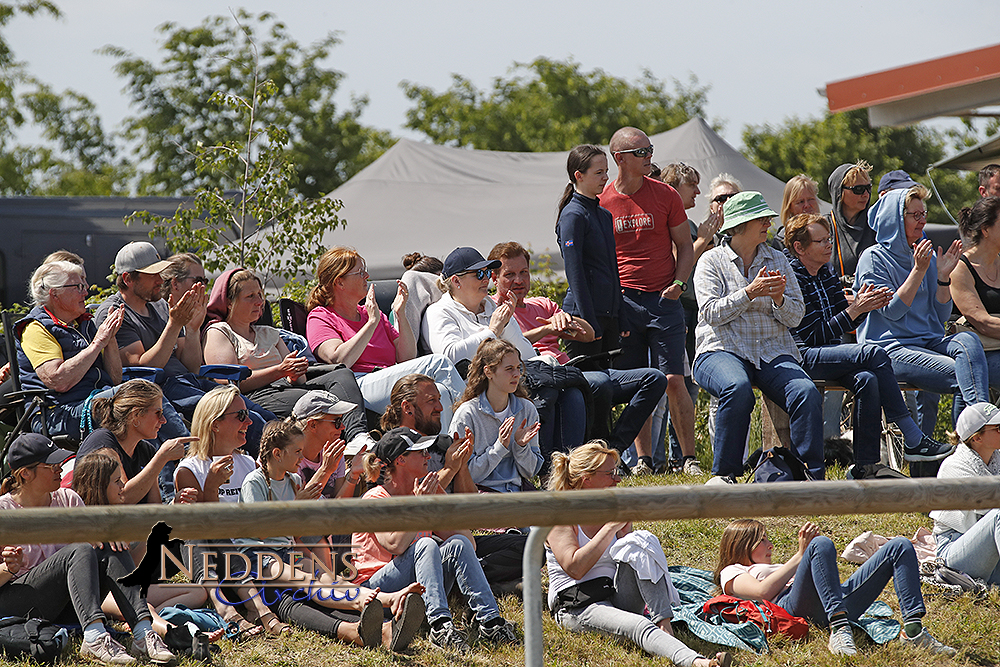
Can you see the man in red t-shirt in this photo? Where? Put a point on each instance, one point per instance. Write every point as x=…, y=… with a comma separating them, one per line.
x=655, y=258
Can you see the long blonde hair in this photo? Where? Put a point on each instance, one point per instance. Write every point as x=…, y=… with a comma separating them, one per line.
x=569, y=471
x=211, y=406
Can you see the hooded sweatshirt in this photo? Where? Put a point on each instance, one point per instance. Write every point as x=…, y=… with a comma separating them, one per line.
x=887, y=264
x=852, y=236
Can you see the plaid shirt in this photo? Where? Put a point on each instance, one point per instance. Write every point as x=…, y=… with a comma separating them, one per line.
x=826, y=319
x=756, y=330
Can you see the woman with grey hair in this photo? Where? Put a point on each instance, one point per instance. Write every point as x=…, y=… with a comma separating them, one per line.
x=60, y=350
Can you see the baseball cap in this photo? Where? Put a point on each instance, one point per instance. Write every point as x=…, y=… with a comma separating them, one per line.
x=975, y=417
x=399, y=441
x=465, y=259
x=319, y=402
x=139, y=256
x=895, y=180
x=31, y=448
x=744, y=207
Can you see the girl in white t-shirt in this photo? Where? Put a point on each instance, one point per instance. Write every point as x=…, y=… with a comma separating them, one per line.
x=808, y=583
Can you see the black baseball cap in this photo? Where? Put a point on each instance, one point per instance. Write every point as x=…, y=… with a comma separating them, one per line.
x=31, y=448
x=399, y=441
x=465, y=259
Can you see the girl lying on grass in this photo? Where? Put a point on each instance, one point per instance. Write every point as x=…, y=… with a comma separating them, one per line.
x=808, y=584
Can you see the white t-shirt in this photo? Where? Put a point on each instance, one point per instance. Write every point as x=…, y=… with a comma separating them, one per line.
x=759, y=571
x=229, y=492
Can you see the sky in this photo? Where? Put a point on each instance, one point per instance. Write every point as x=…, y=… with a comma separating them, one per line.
x=764, y=62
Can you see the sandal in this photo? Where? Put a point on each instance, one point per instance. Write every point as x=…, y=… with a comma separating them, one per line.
x=405, y=628
x=274, y=626
x=370, y=625
x=241, y=630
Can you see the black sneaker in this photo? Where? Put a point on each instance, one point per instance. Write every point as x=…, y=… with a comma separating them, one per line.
x=447, y=636
x=873, y=471
x=501, y=634
x=929, y=449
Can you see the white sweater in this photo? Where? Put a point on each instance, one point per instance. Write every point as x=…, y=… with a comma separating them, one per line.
x=963, y=462
x=453, y=330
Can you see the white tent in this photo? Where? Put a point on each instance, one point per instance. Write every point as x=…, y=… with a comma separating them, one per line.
x=432, y=199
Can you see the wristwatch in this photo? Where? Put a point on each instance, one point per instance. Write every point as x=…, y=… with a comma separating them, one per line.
x=683, y=285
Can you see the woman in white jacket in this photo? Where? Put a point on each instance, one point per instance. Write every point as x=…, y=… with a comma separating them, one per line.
x=969, y=540
x=495, y=407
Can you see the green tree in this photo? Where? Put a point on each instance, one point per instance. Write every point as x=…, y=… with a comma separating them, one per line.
x=174, y=115
x=816, y=147
x=549, y=105
x=248, y=215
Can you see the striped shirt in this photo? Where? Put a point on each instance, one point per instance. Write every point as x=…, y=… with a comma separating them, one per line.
x=826, y=320
x=756, y=330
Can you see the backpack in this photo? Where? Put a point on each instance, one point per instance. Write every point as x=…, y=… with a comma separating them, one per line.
x=778, y=464
x=34, y=637
x=771, y=618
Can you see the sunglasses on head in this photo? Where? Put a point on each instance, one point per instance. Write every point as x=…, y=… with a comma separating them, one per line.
x=481, y=274
x=640, y=152
x=241, y=415
x=860, y=189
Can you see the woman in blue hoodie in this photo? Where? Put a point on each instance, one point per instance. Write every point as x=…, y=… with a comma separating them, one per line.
x=911, y=326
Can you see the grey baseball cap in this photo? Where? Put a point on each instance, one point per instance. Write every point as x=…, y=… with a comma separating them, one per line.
x=319, y=402
x=974, y=417
x=139, y=256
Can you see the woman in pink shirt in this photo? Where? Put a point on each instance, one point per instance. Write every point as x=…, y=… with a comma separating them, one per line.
x=342, y=331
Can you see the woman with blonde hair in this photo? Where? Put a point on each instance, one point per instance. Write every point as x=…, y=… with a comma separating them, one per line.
x=593, y=585
x=361, y=337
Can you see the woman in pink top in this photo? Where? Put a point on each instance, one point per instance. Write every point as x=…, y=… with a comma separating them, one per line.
x=341, y=331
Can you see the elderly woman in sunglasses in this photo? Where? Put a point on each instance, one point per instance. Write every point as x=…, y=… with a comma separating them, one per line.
x=911, y=326
x=340, y=331
x=465, y=316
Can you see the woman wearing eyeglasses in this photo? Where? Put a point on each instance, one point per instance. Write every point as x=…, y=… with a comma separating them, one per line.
x=345, y=326
x=851, y=191
x=864, y=368
x=911, y=326
x=60, y=350
x=465, y=316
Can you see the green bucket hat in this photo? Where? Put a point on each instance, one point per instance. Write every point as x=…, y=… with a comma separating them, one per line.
x=744, y=207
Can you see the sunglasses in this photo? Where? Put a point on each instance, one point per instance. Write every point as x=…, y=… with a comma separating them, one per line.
x=721, y=199
x=196, y=280
x=640, y=152
x=481, y=274
x=860, y=189
x=337, y=422
x=241, y=415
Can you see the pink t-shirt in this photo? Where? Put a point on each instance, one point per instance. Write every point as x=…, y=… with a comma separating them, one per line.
x=35, y=554
x=759, y=571
x=324, y=324
x=369, y=555
x=642, y=223
x=535, y=307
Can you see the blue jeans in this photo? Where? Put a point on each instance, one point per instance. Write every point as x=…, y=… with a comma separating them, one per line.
x=817, y=594
x=438, y=568
x=954, y=365
x=975, y=552
x=562, y=414
x=993, y=365
x=867, y=371
x=731, y=379
x=640, y=387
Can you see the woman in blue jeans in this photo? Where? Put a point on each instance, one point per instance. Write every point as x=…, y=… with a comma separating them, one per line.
x=392, y=561
x=808, y=583
x=911, y=326
x=863, y=368
x=969, y=540
x=747, y=300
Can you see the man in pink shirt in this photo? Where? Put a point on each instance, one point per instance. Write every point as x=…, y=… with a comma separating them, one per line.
x=543, y=323
x=655, y=259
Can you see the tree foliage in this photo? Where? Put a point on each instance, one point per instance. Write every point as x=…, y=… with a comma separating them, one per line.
x=246, y=213
x=549, y=105
x=816, y=147
x=326, y=146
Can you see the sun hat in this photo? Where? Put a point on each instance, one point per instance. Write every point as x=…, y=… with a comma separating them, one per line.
x=465, y=259
x=744, y=207
x=974, y=417
x=139, y=256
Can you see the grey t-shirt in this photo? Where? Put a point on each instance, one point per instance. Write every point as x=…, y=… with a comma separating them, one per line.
x=144, y=327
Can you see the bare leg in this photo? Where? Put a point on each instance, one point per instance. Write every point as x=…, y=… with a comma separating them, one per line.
x=644, y=439
x=681, y=413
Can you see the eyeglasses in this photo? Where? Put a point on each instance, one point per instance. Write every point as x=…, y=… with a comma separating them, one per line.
x=917, y=215
x=195, y=280
x=337, y=422
x=241, y=415
x=481, y=274
x=362, y=271
x=721, y=199
x=79, y=287
x=614, y=472
x=860, y=189
x=826, y=240
x=640, y=152
x=51, y=467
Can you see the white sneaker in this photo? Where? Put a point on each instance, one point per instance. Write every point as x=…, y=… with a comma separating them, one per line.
x=641, y=468
x=152, y=647
x=693, y=468
x=716, y=480
x=106, y=650
x=925, y=641
x=842, y=641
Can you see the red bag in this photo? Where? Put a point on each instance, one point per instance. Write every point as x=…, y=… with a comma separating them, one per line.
x=771, y=618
